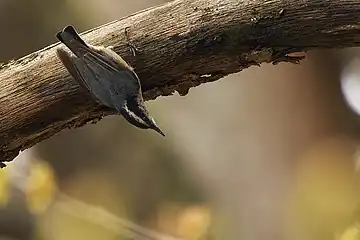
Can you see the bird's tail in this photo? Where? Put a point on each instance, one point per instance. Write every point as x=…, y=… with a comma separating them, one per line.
x=73, y=41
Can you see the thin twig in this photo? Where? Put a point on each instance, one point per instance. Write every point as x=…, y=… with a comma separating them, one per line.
x=100, y=216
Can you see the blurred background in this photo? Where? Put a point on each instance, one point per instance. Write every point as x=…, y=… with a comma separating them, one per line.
x=268, y=153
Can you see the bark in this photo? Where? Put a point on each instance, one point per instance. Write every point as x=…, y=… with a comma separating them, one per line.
x=179, y=45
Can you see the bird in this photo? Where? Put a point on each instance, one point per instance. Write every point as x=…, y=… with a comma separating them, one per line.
x=107, y=76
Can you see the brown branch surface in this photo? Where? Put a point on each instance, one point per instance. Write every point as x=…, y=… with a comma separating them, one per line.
x=180, y=45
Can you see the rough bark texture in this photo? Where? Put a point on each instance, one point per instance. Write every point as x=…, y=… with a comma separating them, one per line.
x=180, y=45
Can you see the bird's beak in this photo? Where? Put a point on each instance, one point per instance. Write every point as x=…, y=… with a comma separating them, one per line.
x=157, y=129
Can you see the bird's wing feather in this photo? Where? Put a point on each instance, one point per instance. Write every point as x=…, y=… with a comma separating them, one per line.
x=85, y=77
x=112, y=62
x=67, y=61
x=100, y=88
x=122, y=81
x=101, y=75
x=119, y=61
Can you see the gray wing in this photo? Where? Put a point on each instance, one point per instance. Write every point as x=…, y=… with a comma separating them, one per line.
x=111, y=81
x=85, y=77
x=67, y=61
x=113, y=74
x=104, y=60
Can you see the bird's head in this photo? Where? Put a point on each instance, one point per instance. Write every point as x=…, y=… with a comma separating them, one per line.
x=134, y=111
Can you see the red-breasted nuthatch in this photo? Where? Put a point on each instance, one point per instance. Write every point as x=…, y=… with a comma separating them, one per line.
x=107, y=76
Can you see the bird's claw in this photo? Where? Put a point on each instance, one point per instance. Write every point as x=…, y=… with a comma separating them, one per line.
x=133, y=49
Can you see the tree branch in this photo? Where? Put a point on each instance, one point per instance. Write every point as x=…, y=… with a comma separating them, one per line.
x=179, y=45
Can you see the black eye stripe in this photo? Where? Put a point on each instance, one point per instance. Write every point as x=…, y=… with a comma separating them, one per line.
x=131, y=113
